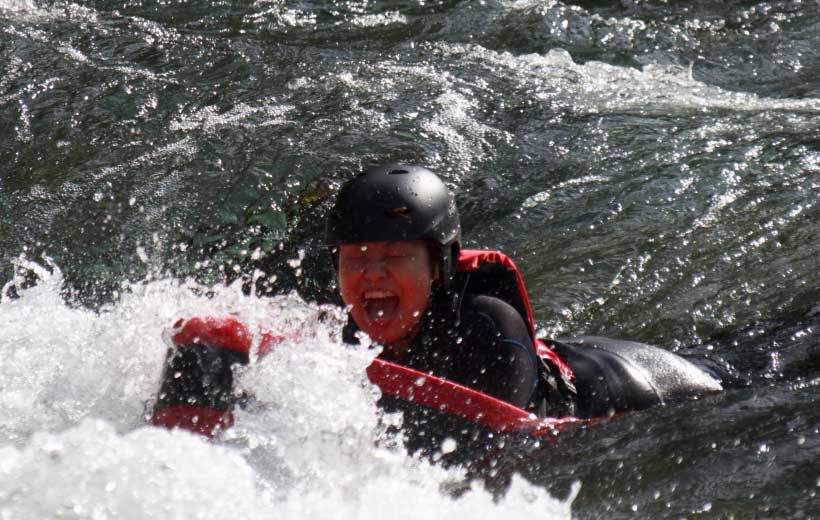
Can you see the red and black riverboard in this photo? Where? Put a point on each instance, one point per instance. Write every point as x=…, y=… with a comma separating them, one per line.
x=440, y=396
x=460, y=401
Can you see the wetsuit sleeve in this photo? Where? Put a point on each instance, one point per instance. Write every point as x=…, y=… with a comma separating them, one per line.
x=496, y=356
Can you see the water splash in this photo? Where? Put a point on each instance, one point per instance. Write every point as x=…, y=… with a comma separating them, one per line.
x=18, y=6
x=75, y=386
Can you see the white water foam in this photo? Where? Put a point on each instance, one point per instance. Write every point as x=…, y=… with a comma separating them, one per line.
x=377, y=20
x=73, y=442
x=17, y=6
x=596, y=87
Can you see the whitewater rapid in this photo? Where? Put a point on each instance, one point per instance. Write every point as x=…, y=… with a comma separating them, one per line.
x=76, y=385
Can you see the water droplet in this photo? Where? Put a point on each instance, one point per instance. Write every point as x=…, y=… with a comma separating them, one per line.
x=143, y=256
x=448, y=445
x=364, y=248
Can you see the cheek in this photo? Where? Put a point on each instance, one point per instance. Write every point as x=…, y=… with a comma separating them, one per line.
x=416, y=309
x=347, y=284
x=417, y=291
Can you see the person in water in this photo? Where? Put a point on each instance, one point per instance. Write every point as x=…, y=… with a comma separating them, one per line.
x=395, y=235
x=396, y=238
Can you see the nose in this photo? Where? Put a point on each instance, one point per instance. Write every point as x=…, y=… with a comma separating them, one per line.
x=375, y=270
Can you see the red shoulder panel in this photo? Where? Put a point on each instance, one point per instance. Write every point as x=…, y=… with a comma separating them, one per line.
x=472, y=259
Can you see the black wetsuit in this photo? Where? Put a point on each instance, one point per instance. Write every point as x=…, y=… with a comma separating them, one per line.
x=482, y=342
x=614, y=376
x=475, y=334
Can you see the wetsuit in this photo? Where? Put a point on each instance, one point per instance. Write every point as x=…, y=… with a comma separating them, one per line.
x=482, y=342
x=613, y=376
x=479, y=333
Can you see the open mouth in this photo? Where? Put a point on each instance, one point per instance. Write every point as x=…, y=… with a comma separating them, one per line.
x=380, y=305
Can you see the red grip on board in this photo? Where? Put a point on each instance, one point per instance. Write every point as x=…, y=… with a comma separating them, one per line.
x=227, y=332
x=197, y=419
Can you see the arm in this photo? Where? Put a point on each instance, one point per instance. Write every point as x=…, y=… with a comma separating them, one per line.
x=498, y=357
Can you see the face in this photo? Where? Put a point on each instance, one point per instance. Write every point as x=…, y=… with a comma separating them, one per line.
x=387, y=286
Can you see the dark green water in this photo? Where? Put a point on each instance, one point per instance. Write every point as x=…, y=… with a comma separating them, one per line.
x=652, y=167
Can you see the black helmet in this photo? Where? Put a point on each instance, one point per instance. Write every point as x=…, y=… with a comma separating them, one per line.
x=396, y=202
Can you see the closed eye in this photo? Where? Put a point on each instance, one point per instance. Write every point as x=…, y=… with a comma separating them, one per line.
x=398, y=252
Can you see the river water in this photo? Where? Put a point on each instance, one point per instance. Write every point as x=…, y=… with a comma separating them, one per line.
x=651, y=166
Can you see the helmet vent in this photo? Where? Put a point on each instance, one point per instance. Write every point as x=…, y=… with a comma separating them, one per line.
x=397, y=172
x=401, y=211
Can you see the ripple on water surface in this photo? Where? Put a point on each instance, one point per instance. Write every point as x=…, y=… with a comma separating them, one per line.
x=650, y=166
